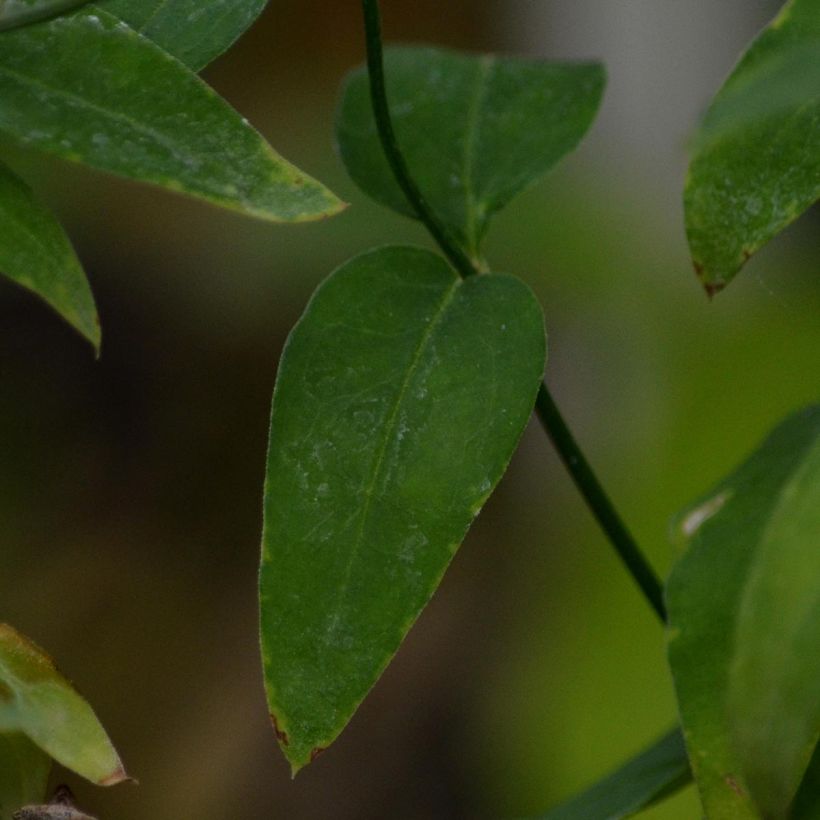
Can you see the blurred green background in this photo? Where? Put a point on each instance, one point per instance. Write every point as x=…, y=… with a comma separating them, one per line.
x=130, y=488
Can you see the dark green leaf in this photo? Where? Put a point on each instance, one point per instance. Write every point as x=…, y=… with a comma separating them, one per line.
x=87, y=88
x=37, y=701
x=756, y=166
x=400, y=398
x=24, y=771
x=194, y=31
x=744, y=613
x=807, y=803
x=656, y=773
x=15, y=13
x=35, y=253
x=475, y=130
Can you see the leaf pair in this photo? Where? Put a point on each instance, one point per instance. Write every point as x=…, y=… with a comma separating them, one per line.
x=89, y=88
x=43, y=718
x=403, y=390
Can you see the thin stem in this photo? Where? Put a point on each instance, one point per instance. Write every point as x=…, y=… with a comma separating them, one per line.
x=602, y=508
x=378, y=94
x=554, y=424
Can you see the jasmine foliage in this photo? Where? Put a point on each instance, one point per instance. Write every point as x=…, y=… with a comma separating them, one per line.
x=756, y=165
x=88, y=88
x=43, y=718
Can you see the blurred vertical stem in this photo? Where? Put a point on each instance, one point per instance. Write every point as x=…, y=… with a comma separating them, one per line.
x=559, y=433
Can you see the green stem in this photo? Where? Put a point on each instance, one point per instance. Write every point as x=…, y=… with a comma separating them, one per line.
x=563, y=440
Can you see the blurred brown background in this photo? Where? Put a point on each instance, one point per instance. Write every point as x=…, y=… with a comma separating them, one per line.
x=130, y=488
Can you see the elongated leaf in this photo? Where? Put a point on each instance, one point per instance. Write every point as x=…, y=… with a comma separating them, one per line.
x=475, y=130
x=35, y=253
x=744, y=613
x=37, y=701
x=400, y=398
x=194, y=31
x=656, y=773
x=15, y=13
x=24, y=771
x=747, y=184
x=87, y=88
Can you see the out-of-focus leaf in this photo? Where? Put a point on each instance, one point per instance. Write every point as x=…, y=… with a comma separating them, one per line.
x=15, y=13
x=37, y=701
x=744, y=615
x=656, y=773
x=475, y=130
x=35, y=253
x=24, y=771
x=400, y=398
x=87, y=88
x=756, y=166
x=194, y=31
x=807, y=803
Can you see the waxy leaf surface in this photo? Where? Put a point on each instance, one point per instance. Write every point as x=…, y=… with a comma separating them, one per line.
x=24, y=772
x=194, y=31
x=35, y=253
x=399, y=401
x=654, y=774
x=38, y=702
x=88, y=88
x=744, y=615
x=15, y=13
x=747, y=182
x=475, y=130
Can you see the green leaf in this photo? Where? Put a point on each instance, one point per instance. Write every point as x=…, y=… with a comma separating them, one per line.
x=475, y=130
x=656, y=773
x=35, y=253
x=24, y=772
x=37, y=701
x=400, y=398
x=87, y=88
x=194, y=31
x=744, y=615
x=15, y=13
x=756, y=166
x=807, y=803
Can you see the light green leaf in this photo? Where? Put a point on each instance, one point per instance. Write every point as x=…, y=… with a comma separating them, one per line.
x=744, y=615
x=37, y=701
x=756, y=166
x=656, y=773
x=24, y=771
x=15, y=13
x=35, y=253
x=475, y=130
x=87, y=88
x=400, y=398
x=194, y=31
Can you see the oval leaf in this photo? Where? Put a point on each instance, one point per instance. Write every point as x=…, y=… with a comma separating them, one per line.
x=37, y=701
x=24, y=772
x=747, y=182
x=36, y=253
x=475, y=130
x=744, y=614
x=15, y=13
x=656, y=773
x=87, y=88
x=400, y=398
x=194, y=31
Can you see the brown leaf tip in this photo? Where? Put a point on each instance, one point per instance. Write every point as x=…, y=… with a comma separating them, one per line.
x=117, y=776
x=316, y=752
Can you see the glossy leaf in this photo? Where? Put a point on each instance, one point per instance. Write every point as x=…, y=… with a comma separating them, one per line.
x=24, y=772
x=15, y=13
x=35, y=253
x=37, y=701
x=194, y=31
x=744, y=614
x=656, y=773
x=475, y=130
x=87, y=88
x=747, y=183
x=400, y=398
